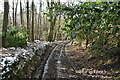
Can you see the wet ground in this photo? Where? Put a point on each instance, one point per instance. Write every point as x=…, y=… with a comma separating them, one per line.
x=64, y=64
x=58, y=65
x=62, y=61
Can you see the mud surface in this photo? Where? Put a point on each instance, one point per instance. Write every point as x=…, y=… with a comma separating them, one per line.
x=58, y=65
x=67, y=62
x=88, y=68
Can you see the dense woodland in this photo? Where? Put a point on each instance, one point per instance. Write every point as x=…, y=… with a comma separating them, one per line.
x=94, y=25
x=97, y=23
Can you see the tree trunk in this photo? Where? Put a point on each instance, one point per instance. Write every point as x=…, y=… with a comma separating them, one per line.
x=16, y=13
x=13, y=14
x=52, y=23
x=87, y=41
x=32, y=38
x=21, y=13
x=5, y=21
x=36, y=25
x=57, y=33
x=39, y=21
x=28, y=24
x=48, y=4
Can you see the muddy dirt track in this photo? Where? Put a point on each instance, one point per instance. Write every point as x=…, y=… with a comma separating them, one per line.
x=59, y=66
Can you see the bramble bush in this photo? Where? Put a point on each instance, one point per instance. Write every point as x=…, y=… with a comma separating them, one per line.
x=15, y=37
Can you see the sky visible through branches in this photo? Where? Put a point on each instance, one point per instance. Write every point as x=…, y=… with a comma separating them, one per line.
x=44, y=1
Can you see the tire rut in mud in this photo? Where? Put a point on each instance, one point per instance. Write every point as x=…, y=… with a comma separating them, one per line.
x=57, y=65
